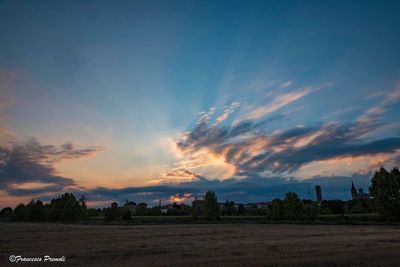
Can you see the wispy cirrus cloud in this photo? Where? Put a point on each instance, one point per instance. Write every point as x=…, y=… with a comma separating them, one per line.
x=286, y=84
x=278, y=102
x=227, y=111
x=372, y=116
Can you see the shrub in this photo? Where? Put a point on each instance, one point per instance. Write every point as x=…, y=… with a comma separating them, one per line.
x=6, y=214
x=126, y=215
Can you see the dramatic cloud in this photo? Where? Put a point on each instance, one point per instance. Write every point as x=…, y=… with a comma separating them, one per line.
x=252, y=149
x=31, y=163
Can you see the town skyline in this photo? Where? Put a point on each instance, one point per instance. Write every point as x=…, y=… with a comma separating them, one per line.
x=146, y=101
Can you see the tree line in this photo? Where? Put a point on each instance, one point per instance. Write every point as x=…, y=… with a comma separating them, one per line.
x=384, y=190
x=65, y=208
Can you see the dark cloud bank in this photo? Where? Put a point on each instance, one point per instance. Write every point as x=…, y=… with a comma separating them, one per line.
x=29, y=161
x=252, y=189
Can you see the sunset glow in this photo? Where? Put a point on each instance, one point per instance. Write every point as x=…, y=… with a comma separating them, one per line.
x=152, y=101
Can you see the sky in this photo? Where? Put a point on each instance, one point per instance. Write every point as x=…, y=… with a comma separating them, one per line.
x=164, y=100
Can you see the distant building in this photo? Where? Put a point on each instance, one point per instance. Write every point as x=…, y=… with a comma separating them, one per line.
x=356, y=195
x=142, y=205
x=166, y=208
x=250, y=206
x=131, y=206
x=262, y=205
x=258, y=205
x=164, y=211
x=318, y=193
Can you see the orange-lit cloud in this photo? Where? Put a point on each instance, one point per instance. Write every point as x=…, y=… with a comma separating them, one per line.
x=191, y=167
x=346, y=166
x=6, y=136
x=227, y=111
x=179, y=198
x=244, y=148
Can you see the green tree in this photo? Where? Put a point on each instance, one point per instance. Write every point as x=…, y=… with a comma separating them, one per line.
x=93, y=212
x=358, y=207
x=385, y=191
x=20, y=213
x=141, y=209
x=229, y=208
x=211, y=206
x=335, y=206
x=311, y=210
x=113, y=213
x=276, y=209
x=66, y=208
x=241, y=209
x=292, y=206
x=35, y=211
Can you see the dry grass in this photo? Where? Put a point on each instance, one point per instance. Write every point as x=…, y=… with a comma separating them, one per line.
x=203, y=245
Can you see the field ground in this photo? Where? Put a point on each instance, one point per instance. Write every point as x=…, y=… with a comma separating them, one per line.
x=202, y=244
x=362, y=219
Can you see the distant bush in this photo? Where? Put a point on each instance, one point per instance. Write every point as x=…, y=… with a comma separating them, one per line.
x=292, y=207
x=93, y=212
x=335, y=206
x=126, y=215
x=6, y=214
x=113, y=213
x=311, y=210
x=275, y=211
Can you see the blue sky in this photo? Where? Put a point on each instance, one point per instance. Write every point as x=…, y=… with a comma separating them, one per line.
x=135, y=90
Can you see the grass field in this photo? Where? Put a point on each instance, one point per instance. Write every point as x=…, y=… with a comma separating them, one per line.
x=203, y=244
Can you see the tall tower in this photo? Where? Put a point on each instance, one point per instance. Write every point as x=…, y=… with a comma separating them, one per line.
x=353, y=191
x=318, y=193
